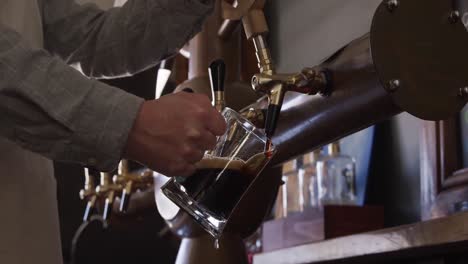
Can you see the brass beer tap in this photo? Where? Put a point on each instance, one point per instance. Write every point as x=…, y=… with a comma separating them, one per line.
x=89, y=194
x=110, y=187
x=131, y=182
x=274, y=85
x=108, y=190
x=122, y=177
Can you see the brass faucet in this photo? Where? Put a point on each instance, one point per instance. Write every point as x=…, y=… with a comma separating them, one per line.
x=89, y=194
x=308, y=81
x=131, y=182
x=110, y=187
x=108, y=190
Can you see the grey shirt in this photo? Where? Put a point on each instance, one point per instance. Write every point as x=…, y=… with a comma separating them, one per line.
x=50, y=108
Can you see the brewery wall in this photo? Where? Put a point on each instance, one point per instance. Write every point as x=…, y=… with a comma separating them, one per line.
x=304, y=33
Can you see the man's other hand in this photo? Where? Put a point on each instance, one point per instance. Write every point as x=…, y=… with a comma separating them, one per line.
x=172, y=133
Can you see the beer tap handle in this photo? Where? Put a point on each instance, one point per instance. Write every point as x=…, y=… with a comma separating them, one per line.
x=108, y=190
x=108, y=205
x=272, y=119
x=88, y=193
x=126, y=194
x=89, y=208
x=123, y=168
x=217, y=73
x=163, y=76
x=124, y=173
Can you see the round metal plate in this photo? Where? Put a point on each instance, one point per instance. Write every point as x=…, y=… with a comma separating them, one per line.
x=420, y=51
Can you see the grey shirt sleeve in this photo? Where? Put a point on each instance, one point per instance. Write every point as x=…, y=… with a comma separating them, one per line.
x=122, y=40
x=50, y=108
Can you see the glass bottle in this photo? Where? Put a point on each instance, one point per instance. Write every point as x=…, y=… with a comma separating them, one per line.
x=290, y=188
x=308, y=184
x=279, y=211
x=336, y=174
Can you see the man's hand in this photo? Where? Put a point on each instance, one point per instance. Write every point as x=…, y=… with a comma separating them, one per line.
x=172, y=133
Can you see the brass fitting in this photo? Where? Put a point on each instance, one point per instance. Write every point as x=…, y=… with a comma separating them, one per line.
x=263, y=54
x=308, y=81
x=131, y=182
x=219, y=102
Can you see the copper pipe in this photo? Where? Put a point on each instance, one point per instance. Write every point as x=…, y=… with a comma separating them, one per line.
x=357, y=100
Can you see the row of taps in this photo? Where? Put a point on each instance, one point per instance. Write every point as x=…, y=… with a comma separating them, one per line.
x=113, y=187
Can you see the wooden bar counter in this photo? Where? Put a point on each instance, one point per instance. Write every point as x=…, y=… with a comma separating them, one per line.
x=434, y=240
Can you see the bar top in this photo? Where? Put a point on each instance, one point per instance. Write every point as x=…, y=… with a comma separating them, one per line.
x=387, y=243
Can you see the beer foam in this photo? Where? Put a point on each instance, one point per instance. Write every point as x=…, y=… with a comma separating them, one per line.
x=212, y=162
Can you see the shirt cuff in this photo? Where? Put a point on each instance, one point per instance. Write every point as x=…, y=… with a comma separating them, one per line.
x=103, y=135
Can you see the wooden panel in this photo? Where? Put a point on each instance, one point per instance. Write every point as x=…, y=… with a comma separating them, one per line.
x=314, y=225
x=439, y=236
x=347, y=220
x=450, y=158
x=441, y=185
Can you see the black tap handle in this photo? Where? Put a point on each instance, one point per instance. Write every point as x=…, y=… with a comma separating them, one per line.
x=88, y=211
x=125, y=201
x=107, y=209
x=125, y=198
x=217, y=72
x=273, y=114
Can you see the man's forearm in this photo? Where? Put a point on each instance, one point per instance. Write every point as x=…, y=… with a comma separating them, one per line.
x=50, y=108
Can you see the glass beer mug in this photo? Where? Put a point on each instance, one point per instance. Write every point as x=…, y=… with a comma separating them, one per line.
x=223, y=175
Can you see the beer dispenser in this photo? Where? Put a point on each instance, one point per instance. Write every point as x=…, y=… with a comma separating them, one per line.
x=371, y=79
x=356, y=87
